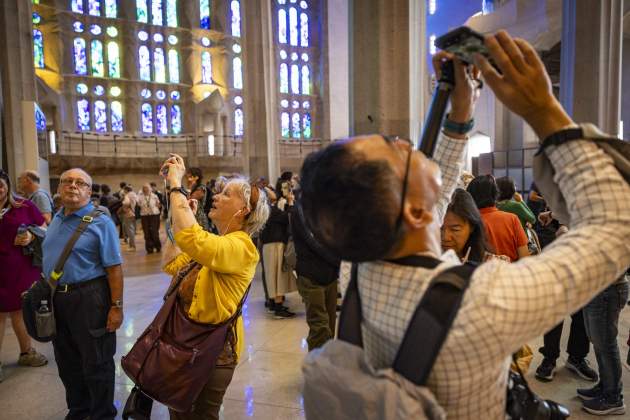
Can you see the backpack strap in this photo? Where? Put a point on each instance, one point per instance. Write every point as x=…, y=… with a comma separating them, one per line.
x=351, y=316
x=431, y=323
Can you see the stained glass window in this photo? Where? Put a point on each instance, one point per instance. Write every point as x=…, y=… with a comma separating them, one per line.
x=293, y=26
x=78, y=27
x=238, y=73
x=284, y=124
x=205, y=41
x=160, y=94
x=171, y=13
x=236, y=48
x=117, y=116
x=306, y=125
x=96, y=57
x=206, y=67
x=115, y=91
x=113, y=59
x=238, y=100
x=295, y=125
x=160, y=119
x=282, y=26
x=235, y=6
x=77, y=7
x=82, y=88
x=36, y=19
x=100, y=116
x=111, y=8
x=173, y=66
x=156, y=12
x=147, y=118
x=175, y=95
x=284, y=78
x=142, y=11
x=306, y=81
x=172, y=39
x=176, y=119
x=38, y=48
x=159, y=65
x=204, y=9
x=158, y=38
x=238, y=122
x=143, y=35
x=295, y=79
x=83, y=115
x=112, y=31
x=303, y=29
x=144, y=62
x=94, y=7
x=80, y=59
x=145, y=93
x=99, y=90
x=95, y=29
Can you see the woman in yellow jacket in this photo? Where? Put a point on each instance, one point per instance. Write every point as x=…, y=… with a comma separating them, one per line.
x=228, y=262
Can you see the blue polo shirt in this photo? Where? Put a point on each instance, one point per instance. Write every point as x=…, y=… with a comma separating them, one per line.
x=96, y=248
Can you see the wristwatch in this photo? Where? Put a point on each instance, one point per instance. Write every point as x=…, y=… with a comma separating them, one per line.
x=180, y=190
x=118, y=304
x=459, y=128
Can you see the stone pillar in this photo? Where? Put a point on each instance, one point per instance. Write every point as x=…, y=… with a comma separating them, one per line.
x=18, y=84
x=590, y=68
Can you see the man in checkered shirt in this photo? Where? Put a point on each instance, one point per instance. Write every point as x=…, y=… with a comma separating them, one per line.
x=352, y=192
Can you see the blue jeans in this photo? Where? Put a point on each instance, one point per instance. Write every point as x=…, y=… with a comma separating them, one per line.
x=601, y=317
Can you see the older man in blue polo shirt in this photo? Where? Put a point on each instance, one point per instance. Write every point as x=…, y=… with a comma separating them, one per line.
x=88, y=301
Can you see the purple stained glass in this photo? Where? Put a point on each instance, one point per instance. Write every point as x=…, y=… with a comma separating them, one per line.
x=144, y=63
x=303, y=29
x=235, y=7
x=293, y=26
x=147, y=118
x=77, y=7
x=175, y=95
x=284, y=124
x=100, y=116
x=80, y=59
x=284, y=78
x=238, y=122
x=160, y=119
x=117, y=116
x=282, y=26
x=94, y=7
x=295, y=79
x=176, y=119
x=83, y=115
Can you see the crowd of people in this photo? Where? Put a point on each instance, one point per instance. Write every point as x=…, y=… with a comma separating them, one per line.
x=372, y=201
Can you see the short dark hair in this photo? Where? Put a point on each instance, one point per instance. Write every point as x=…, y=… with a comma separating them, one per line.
x=350, y=203
x=506, y=187
x=484, y=191
x=123, y=185
x=96, y=188
x=463, y=205
x=196, y=172
x=153, y=184
x=105, y=188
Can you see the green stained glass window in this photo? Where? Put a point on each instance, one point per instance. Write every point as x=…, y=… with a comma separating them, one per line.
x=38, y=48
x=142, y=11
x=96, y=58
x=113, y=59
x=173, y=66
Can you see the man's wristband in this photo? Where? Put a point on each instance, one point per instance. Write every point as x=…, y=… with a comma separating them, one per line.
x=458, y=128
x=180, y=190
x=118, y=304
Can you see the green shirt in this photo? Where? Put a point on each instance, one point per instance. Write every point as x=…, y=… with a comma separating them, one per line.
x=518, y=208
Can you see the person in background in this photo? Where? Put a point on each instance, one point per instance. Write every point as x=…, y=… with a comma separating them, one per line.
x=28, y=184
x=504, y=230
x=511, y=201
x=96, y=194
x=127, y=214
x=150, y=209
x=197, y=188
x=57, y=203
x=106, y=197
x=18, y=272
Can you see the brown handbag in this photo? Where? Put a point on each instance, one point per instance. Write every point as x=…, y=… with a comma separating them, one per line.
x=173, y=358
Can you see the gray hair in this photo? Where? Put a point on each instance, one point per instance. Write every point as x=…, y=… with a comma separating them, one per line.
x=257, y=217
x=87, y=176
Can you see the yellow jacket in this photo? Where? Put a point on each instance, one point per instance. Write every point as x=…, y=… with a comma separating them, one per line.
x=229, y=263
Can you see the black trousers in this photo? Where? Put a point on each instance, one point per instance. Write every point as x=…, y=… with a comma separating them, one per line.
x=84, y=351
x=151, y=230
x=578, y=345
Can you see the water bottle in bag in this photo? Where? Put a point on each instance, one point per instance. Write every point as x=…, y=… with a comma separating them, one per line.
x=44, y=321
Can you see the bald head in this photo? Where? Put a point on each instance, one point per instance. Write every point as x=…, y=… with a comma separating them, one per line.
x=75, y=188
x=85, y=175
x=28, y=182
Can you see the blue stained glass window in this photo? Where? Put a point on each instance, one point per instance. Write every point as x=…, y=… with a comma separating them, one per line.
x=159, y=65
x=145, y=93
x=160, y=94
x=303, y=5
x=175, y=95
x=284, y=78
x=147, y=118
x=284, y=124
x=111, y=8
x=204, y=9
x=238, y=100
x=205, y=41
x=303, y=29
x=173, y=66
x=96, y=58
x=293, y=26
x=235, y=6
x=282, y=26
x=99, y=90
x=95, y=29
x=171, y=13
x=117, y=116
x=40, y=120
x=238, y=73
x=38, y=48
x=295, y=125
x=160, y=119
x=156, y=12
x=77, y=7
x=176, y=119
x=295, y=79
x=306, y=125
x=36, y=19
x=238, y=122
x=306, y=80
x=206, y=67
x=158, y=38
x=144, y=62
x=284, y=103
x=94, y=7
x=80, y=58
x=82, y=88
x=78, y=27
x=142, y=11
x=295, y=104
x=100, y=116
x=113, y=59
x=172, y=39
x=83, y=115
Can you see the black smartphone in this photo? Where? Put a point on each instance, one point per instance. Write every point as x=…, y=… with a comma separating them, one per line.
x=464, y=43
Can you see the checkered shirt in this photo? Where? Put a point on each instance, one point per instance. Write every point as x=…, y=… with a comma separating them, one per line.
x=506, y=305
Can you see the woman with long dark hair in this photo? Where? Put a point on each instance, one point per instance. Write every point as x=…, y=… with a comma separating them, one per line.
x=197, y=188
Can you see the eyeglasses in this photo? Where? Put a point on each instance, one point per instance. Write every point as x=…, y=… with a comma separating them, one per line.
x=78, y=182
x=391, y=140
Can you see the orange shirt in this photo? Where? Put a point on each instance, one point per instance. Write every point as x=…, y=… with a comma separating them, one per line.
x=504, y=231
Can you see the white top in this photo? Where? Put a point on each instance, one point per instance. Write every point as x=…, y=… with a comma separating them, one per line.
x=149, y=204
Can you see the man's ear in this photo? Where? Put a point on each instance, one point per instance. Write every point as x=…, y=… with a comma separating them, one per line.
x=417, y=217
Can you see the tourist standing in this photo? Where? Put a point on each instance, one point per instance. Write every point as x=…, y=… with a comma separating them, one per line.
x=150, y=208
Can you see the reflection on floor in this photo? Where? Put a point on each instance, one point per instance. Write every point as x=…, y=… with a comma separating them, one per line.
x=267, y=382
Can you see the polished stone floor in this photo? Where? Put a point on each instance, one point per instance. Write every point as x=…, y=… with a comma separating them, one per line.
x=267, y=381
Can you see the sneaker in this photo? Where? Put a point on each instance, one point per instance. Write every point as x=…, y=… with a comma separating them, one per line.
x=603, y=406
x=32, y=358
x=587, y=394
x=546, y=370
x=581, y=368
x=282, y=313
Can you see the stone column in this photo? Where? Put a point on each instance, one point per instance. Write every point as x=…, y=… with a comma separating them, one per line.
x=18, y=85
x=590, y=78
